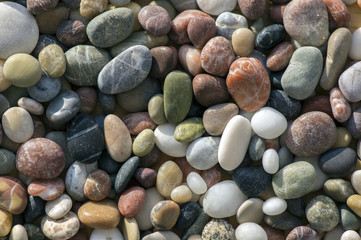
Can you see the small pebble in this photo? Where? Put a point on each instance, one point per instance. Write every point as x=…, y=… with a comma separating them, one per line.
x=243, y=42
x=58, y=207
x=169, y=177
x=338, y=189
x=5, y=222
x=103, y=214
x=31, y=106
x=196, y=183
x=202, y=153
x=250, y=211
x=274, y=206
x=280, y=56
x=269, y=37
x=303, y=232
x=227, y=23
x=97, y=185
x=155, y=20
x=87, y=98
x=276, y=123
x=350, y=235
x=252, y=9
x=71, y=33
x=91, y=8
x=65, y=227
x=145, y=176
x=125, y=173
x=52, y=60
x=18, y=232
x=47, y=189
x=219, y=229
x=164, y=60
x=181, y=194
x=355, y=53
x=250, y=231
x=164, y=214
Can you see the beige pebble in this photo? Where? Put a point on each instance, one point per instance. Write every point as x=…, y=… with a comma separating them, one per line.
x=52, y=60
x=4, y=84
x=343, y=138
x=250, y=211
x=135, y=7
x=169, y=177
x=243, y=42
x=18, y=232
x=130, y=229
x=91, y=8
x=356, y=181
x=350, y=235
x=195, y=237
x=31, y=105
x=181, y=194
x=17, y=124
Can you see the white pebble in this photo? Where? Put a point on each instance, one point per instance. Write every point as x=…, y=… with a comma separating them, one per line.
x=270, y=161
x=202, y=154
x=350, y=235
x=356, y=181
x=274, y=206
x=250, y=231
x=355, y=49
x=59, y=207
x=216, y=7
x=268, y=123
x=165, y=141
x=250, y=211
x=196, y=183
x=162, y=235
x=105, y=234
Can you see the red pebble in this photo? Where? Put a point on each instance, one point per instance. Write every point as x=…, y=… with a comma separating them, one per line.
x=200, y=29
x=131, y=201
x=275, y=12
x=341, y=108
x=338, y=14
x=317, y=103
x=137, y=122
x=280, y=56
x=47, y=189
x=145, y=176
x=190, y=59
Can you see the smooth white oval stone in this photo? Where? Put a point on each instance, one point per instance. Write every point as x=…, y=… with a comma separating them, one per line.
x=234, y=143
x=355, y=181
x=196, y=183
x=58, y=207
x=268, y=123
x=165, y=141
x=250, y=211
x=250, y=231
x=223, y=199
x=274, y=206
x=216, y=7
x=350, y=235
x=355, y=49
x=270, y=161
x=162, y=235
x=202, y=154
x=152, y=197
x=106, y=234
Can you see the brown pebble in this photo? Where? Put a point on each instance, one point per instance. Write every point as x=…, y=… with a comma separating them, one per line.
x=190, y=59
x=47, y=189
x=164, y=215
x=338, y=14
x=88, y=98
x=275, y=12
x=151, y=158
x=317, y=103
x=165, y=60
x=137, y=122
x=12, y=195
x=71, y=33
x=341, y=108
x=211, y=176
x=31, y=105
x=273, y=233
x=131, y=201
x=40, y=6
x=200, y=29
x=146, y=177
x=217, y=56
x=49, y=21
x=155, y=20
x=304, y=233
x=272, y=144
x=216, y=117
x=252, y=9
x=280, y=56
x=91, y=8
x=97, y=185
x=210, y=90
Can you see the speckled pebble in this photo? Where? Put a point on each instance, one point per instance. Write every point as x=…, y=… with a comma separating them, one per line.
x=218, y=229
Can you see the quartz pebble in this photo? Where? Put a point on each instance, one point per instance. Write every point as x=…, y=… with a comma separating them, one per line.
x=274, y=206
x=196, y=183
x=250, y=230
x=59, y=207
x=165, y=141
x=202, y=153
x=169, y=177
x=181, y=194
x=18, y=232
x=47, y=189
x=97, y=185
x=276, y=123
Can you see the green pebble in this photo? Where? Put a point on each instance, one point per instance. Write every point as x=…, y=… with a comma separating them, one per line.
x=349, y=220
x=338, y=189
x=143, y=143
x=189, y=130
x=7, y=161
x=156, y=109
x=256, y=148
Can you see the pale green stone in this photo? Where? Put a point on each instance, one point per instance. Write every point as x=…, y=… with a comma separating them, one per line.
x=189, y=130
x=156, y=109
x=338, y=189
x=322, y=213
x=143, y=143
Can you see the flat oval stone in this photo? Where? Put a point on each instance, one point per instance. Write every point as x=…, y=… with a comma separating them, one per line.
x=249, y=231
x=280, y=56
x=250, y=211
x=103, y=214
x=210, y=90
x=200, y=29
x=17, y=124
x=354, y=53
x=181, y=194
x=155, y=20
x=344, y=158
x=338, y=13
x=19, y=30
x=306, y=139
x=248, y=83
x=270, y=161
x=143, y=143
x=217, y=56
x=164, y=61
x=218, y=229
x=115, y=131
x=202, y=153
x=138, y=122
x=307, y=22
x=164, y=214
x=189, y=130
x=338, y=48
x=270, y=36
x=169, y=177
x=295, y=180
x=322, y=213
x=223, y=199
x=283, y=221
x=274, y=206
x=125, y=173
x=338, y=189
x=45, y=89
x=243, y=42
x=234, y=143
x=216, y=117
x=63, y=228
x=341, y=108
x=165, y=141
x=63, y=107
x=289, y=107
x=253, y=181
x=131, y=201
x=162, y=235
x=349, y=88
x=6, y=222
x=18, y=232
x=303, y=73
x=40, y=158
x=302, y=232
x=252, y=9
x=349, y=220
x=350, y=234
x=31, y=106
x=97, y=185
x=104, y=234
x=196, y=183
x=47, y=189
x=227, y=23
x=121, y=75
x=59, y=207
x=12, y=195
x=276, y=123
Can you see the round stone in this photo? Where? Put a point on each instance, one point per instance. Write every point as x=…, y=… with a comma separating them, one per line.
x=138, y=122
x=189, y=130
x=344, y=158
x=280, y=56
x=164, y=214
x=303, y=232
x=65, y=100
x=6, y=220
x=17, y=124
x=71, y=32
x=52, y=60
x=243, y=42
x=169, y=177
x=155, y=20
x=47, y=189
x=274, y=206
x=59, y=207
x=104, y=234
x=250, y=211
x=228, y=22
x=63, y=228
x=349, y=220
x=131, y=201
x=270, y=161
x=200, y=29
x=196, y=183
x=45, y=89
x=145, y=176
x=250, y=231
x=181, y=194
x=219, y=229
x=341, y=108
x=97, y=185
x=19, y=30
x=216, y=7
x=31, y=106
x=18, y=232
x=202, y=153
x=276, y=123
x=143, y=143
x=350, y=235
x=269, y=37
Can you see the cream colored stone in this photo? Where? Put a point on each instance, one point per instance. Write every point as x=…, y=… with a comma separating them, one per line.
x=91, y=8
x=130, y=229
x=343, y=138
x=4, y=84
x=6, y=220
x=17, y=124
x=181, y=194
x=52, y=60
x=250, y=211
x=243, y=42
x=169, y=177
x=18, y=232
x=31, y=105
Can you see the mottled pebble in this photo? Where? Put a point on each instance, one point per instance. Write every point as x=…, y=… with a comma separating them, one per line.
x=216, y=117
x=164, y=214
x=138, y=122
x=303, y=232
x=218, y=229
x=97, y=185
x=155, y=20
x=227, y=23
x=47, y=189
x=63, y=228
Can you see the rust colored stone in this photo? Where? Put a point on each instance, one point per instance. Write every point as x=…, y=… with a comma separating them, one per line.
x=200, y=29
x=338, y=13
x=131, y=201
x=137, y=122
x=275, y=12
x=71, y=33
x=304, y=233
x=47, y=189
x=280, y=56
x=97, y=185
x=249, y=84
x=40, y=6
x=155, y=20
x=190, y=59
x=273, y=233
x=341, y=108
x=252, y=9
x=211, y=176
x=12, y=195
x=317, y=103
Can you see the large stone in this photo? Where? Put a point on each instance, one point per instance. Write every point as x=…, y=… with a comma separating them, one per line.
x=12, y=195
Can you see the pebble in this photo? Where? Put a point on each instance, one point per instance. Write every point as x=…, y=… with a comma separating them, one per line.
x=250, y=231
x=138, y=122
x=338, y=189
x=7, y=161
x=350, y=235
x=227, y=23
x=305, y=139
x=217, y=56
x=143, y=143
x=83, y=64
x=169, y=177
x=34, y=232
x=197, y=227
x=348, y=86
x=115, y=131
x=349, y=220
x=253, y=181
x=13, y=195
x=104, y=234
x=5, y=222
x=59, y=137
x=353, y=124
x=88, y=97
x=47, y=189
x=110, y=27
x=103, y=214
x=216, y=7
x=283, y=221
x=71, y=32
x=164, y=214
x=63, y=107
x=338, y=162
x=338, y=48
x=295, y=180
x=338, y=13
x=181, y=194
x=19, y=30
x=146, y=177
x=45, y=89
x=31, y=106
x=353, y=202
x=223, y=199
x=49, y=21
x=243, y=42
x=162, y=235
x=307, y=22
x=52, y=60
x=276, y=123
x=248, y=83
x=58, y=207
x=322, y=213
x=184, y=5
x=200, y=29
x=40, y=158
x=120, y=74
x=250, y=211
x=196, y=183
x=303, y=232
x=252, y=9
x=211, y=176
x=274, y=206
x=317, y=103
x=166, y=5
x=202, y=153
x=341, y=108
x=164, y=61
x=189, y=130
x=275, y=12
x=215, y=118
x=288, y=106
x=269, y=37
x=91, y=8
x=188, y=214
x=155, y=20
x=151, y=158
x=355, y=179
x=130, y=228
x=354, y=52
x=97, y=185
x=270, y=161
x=17, y=124
x=165, y=141
x=4, y=84
x=125, y=173
x=63, y=228
x=280, y=56
x=219, y=229
x=131, y=201
x=18, y=232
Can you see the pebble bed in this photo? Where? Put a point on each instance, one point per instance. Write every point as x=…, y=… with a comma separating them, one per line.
x=180, y=119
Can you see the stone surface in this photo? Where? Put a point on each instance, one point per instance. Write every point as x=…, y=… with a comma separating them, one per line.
x=7, y=161
x=349, y=220
x=289, y=107
x=17, y=124
x=18, y=232
x=97, y=185
x=181, y=194
x=63, y=107
x=202, y=153
x=164, y=61
x=189, y=130
x=243, y=41
x=169, y=177
x=311, y=134
x=71, y=32
x=103, y=234
x=338, y=14
x=295, y=180
x=276, y=123
x=164, y=214
x=49, y=21
x=252, y=9
x=131, y=201
x=5, y=222
x=341, y=108
x=274, y=206
x=19, y=30
x=280, y=56
x=248, y=231
x=188, y=214
x=218, y=229
x=91, y=8
x=353, y=202
x=354, y=54
x=303, y=232
x=353, y=124
x=270, y=161
x=145, y=176
x=216, y=117
x=47, y=189
x=350, y=235
x=13, y=195
x=138, y=122
x=31, y=106
x=34, y=232
x=143, y=143
x=125, y=173
x=270, y=36
x=338, y=189
x=155, y=20
x=349, y=87
x=103, y=214
x=250, y=211
x=284, y=221
x=130, y=229
x=59, y=207
x=45, y=89
x=248, y=83
x=200, y=29
x=338, y=162
x=63, y=228
x=196, y=183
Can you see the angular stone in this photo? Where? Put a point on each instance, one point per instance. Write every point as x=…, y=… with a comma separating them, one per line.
x=103, y=214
